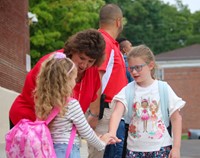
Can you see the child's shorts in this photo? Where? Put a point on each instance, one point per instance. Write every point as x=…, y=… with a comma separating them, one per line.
x=60, y=150
x=162, y=153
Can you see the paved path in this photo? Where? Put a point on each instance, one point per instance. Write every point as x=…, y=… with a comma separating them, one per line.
x=189, y=149
x=83, y=150
x=2, y=151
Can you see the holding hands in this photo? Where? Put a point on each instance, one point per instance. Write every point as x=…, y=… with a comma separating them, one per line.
x=109, y=139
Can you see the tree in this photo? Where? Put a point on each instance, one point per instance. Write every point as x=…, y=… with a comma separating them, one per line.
x=57, y=20
x=195, y=38
x=161, y=26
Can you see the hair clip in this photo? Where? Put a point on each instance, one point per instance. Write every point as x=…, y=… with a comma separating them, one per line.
x=73, y=66
x=59, y=55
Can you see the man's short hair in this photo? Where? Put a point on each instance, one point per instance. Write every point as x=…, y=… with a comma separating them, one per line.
x=110, y=12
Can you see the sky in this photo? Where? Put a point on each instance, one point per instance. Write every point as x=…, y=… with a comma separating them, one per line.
x=193, y=5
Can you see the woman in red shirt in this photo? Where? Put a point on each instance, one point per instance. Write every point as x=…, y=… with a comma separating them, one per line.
x=86, y=50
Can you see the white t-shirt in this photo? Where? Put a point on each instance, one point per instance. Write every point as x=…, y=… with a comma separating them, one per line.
x=147, y=131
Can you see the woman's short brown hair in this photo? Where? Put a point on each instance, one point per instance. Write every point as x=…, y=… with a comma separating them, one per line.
x=90, y=42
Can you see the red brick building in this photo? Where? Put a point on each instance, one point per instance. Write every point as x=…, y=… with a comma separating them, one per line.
x=181, y=69
x=14, y=43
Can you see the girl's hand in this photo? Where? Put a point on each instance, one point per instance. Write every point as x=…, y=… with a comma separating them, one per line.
x=174, y=153
x=114, y=140
x=109, y=139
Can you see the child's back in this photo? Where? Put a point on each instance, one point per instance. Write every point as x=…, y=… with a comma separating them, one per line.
x=54, y=84
x=61, y=127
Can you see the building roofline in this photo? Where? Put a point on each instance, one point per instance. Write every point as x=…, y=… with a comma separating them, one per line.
x=178, y=63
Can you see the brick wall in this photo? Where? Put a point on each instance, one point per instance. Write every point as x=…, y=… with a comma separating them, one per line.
x=186, y=82
x=14, y=43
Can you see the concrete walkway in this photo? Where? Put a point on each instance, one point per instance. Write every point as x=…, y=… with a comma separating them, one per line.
x=83, y=150
x=189, y=149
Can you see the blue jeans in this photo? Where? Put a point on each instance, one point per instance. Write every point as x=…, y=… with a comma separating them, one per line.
x=115, y=150
x=60, y=150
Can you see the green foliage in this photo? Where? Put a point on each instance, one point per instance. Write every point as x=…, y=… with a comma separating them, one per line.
x=161, y=26
x=195, y=20
x=57, y=20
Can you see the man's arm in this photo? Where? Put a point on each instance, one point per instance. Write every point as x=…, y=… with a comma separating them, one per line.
x=93, y=113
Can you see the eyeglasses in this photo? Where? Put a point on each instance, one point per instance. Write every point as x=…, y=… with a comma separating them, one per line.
x=137, y=68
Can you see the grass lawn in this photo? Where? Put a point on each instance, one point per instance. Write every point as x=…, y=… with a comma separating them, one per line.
x=184, y=136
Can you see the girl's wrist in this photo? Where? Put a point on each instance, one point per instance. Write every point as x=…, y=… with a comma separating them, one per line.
x=112, y=133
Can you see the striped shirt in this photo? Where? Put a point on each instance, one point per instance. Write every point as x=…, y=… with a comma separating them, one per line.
x=61, y=127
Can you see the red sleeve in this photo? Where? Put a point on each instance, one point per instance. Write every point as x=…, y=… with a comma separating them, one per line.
x=86, y=91
x=23, y=106
x=108, y=50
x=97, y=85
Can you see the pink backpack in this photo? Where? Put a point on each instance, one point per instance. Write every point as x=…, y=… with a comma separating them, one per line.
x=29, y=139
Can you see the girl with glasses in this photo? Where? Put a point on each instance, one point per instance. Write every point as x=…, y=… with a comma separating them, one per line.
x=147, y=136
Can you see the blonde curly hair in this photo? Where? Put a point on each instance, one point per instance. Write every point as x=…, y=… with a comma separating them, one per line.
x=54, y=85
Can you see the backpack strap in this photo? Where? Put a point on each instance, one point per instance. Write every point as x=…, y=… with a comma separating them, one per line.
x=163, y=92
x=54, y=112
x=71, y=141
x=164, y=99
x=129, y=94
x=52, y=115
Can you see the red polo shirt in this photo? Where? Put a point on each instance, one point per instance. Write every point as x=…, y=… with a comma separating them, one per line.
x=114, y=78
x=85, y=92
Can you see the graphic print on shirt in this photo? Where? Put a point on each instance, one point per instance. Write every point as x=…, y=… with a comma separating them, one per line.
x=135, y=118
x=145, y=114
x=145, y=121
x=153, y=109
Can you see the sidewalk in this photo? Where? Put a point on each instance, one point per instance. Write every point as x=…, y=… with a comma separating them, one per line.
x=83, y=150
x=84, y=153
x=189, y=149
